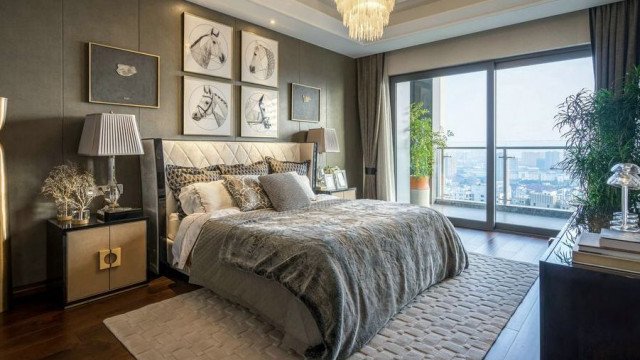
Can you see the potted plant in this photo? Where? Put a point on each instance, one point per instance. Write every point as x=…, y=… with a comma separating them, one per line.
x=59, y=188
x=601, y=129
x=424, y=141
x=84, y=191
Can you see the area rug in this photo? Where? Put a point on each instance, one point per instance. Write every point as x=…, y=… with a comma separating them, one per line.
x=457, y=319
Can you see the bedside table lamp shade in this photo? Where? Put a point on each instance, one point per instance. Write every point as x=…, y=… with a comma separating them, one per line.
x=110, y=135
x=326, y=139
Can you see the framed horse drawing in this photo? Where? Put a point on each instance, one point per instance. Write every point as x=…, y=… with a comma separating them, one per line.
x=207, y=107
x=208, y=47
x=259, y=60
x=259, y=112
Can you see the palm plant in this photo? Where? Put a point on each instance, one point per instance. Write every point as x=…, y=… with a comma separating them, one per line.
x=601, y=130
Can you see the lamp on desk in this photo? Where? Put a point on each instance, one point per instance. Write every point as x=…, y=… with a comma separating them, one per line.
x=111, y=135
x=327, y=142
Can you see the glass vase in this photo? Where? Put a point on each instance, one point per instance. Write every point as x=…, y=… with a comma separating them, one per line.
x=64, y=212
x=81, y=217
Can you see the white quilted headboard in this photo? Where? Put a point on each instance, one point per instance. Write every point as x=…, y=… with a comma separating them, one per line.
x=158, y=201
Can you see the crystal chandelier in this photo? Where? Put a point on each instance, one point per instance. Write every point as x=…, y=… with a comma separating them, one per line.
x=365, y=19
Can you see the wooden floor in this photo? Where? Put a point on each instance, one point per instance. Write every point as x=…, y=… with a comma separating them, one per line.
x=36, y=329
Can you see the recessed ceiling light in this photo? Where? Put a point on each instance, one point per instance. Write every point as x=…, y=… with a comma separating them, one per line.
x=272, y=22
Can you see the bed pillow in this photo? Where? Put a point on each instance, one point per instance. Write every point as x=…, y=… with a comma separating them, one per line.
x=285, y=191
x=306, y=185
x=179, y=177
x=257, y=168
x=205, y=197
x=247, y=193
x=277, y=166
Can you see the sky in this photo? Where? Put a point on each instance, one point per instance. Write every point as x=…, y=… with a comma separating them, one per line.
x=527, y=100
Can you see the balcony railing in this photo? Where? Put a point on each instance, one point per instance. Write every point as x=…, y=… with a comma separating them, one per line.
x=527, y=179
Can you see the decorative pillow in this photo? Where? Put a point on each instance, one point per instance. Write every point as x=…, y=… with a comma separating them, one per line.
x=205, y=197
x=285, y=191
x=257, y=168
x=306, y=185
x=277, y=166
x=247, y=192
x=181, y=176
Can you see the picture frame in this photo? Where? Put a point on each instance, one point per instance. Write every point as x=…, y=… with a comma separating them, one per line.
x=258, y=112
x=260, y=57
x=207, y=107
x=305, y=103
x=120, y=76
x=207, y=47
x=341, y=179
x=329, y=182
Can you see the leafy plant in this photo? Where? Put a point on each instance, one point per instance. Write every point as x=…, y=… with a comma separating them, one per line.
x=601, y=129
x=424, y=140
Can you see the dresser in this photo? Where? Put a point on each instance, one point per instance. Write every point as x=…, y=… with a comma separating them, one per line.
x=96, y=259
x=586, y=313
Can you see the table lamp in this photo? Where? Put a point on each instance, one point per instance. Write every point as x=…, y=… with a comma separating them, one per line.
x=625, y=176
x=327, y=142
x=111, y=135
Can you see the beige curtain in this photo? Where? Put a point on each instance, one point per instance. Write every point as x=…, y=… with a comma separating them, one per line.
x=386, y=173
x=615, y=42
x=369, y=83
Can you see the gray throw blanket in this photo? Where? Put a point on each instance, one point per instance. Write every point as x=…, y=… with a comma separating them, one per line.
x=354, y=264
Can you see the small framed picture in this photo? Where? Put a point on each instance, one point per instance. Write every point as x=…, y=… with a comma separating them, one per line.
x=341, y=179
x=329, y=182
x=305, y=103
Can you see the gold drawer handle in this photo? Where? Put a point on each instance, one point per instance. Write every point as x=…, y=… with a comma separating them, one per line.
x=110, y=258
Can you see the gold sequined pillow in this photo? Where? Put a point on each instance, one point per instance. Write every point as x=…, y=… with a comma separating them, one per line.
x=257, y=168
x=277, y=166
x=181, y=176
x=247, y=192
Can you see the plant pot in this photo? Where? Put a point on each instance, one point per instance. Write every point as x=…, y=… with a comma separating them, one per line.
x=419, y=183
x=63, y=212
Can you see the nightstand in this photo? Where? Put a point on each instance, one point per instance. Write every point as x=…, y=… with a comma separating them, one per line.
x=348, y=194
x=93, y=260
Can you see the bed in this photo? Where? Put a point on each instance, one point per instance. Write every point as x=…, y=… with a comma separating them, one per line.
x=328, y=276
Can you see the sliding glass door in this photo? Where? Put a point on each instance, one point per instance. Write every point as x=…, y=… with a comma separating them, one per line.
x=499, y=168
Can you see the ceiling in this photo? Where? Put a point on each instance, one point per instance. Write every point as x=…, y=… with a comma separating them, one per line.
x=412, y=22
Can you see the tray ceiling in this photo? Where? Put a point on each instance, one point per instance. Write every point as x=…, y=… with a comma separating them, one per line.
x=413, y=22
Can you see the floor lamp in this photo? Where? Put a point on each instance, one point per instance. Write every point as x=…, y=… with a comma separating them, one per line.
x=4, y=222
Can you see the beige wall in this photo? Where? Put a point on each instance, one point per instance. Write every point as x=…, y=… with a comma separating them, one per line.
x=547, y=34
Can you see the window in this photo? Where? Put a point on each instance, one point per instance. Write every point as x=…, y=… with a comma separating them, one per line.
x=500, y=167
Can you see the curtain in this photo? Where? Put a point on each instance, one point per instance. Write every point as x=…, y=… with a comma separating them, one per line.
x=369, y=72
x=615, y=42
x=386, y=173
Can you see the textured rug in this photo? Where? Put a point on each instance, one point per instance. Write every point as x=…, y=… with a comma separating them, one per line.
x=457, y=319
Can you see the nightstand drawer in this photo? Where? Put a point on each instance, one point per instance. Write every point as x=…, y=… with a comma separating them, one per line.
x=84, y=277
x=348, y=194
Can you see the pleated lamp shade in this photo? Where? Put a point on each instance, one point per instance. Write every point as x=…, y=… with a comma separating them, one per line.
x=326, y=139
x=110, y=135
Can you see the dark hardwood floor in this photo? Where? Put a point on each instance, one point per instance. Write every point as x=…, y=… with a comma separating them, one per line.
x=35, y=328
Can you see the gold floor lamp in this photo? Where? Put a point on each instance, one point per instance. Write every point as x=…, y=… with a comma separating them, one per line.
x=4, y=228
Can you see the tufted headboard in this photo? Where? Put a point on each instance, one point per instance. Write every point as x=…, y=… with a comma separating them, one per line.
x=158, y=201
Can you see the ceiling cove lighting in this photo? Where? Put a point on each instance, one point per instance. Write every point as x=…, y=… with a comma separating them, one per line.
x=365, y=19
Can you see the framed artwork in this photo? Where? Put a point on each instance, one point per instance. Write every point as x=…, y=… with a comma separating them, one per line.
x=305, y=103
x=123, y=77
x=207, y=107
x=341, y=179
x=259, y=60
x=259, y=112
x=329, y=182
x=207, y=46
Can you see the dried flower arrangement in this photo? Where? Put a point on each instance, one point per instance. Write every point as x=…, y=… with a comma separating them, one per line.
x=71, y=188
